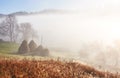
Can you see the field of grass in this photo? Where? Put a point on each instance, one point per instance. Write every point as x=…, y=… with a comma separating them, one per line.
x=20, y=66
x=7, y=47
x=25, y=68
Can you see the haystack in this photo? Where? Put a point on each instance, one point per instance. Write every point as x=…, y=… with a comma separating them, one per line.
x=42, y=51
x=1, y=40
x=24, y=48
x=39, y=49
x=45, y=52
x=32, y=45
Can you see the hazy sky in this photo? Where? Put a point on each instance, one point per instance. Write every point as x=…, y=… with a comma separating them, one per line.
x=8, y=6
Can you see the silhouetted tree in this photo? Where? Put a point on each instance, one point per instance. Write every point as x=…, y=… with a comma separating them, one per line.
x=27, y=31
x=9, y=27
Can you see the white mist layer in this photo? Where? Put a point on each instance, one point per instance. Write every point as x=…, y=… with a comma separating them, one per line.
x=71, y=30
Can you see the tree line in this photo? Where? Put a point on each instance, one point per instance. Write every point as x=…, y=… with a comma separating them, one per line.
x=16, y=32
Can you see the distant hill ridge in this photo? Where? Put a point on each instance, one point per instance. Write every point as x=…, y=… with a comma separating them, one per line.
x=39, y=12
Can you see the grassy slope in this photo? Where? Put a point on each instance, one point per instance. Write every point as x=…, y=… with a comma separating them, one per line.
x=7, y=47
x=25, y=68
x=57, y=69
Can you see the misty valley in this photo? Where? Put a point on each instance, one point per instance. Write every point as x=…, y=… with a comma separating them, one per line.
x=51, y=43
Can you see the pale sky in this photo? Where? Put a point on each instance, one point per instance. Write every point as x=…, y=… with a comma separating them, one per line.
x=8, y=6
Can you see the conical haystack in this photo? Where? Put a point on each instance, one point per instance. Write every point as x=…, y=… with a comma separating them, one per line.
x=45, y=52
x=39, y=49
x=32, y=45
x=24, y=48
x=42, y=51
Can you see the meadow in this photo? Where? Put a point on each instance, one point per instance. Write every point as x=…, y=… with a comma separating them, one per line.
x=8, y=47
x=13, y=65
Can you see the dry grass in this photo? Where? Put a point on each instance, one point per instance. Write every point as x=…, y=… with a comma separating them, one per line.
x=25, y=68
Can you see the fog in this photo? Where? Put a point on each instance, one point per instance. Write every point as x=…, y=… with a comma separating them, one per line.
x=70, y=31
x=81, y=35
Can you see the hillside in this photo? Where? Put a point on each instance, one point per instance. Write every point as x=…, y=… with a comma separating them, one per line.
x=25, y=68
x=7, y=47
x=46, y=11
